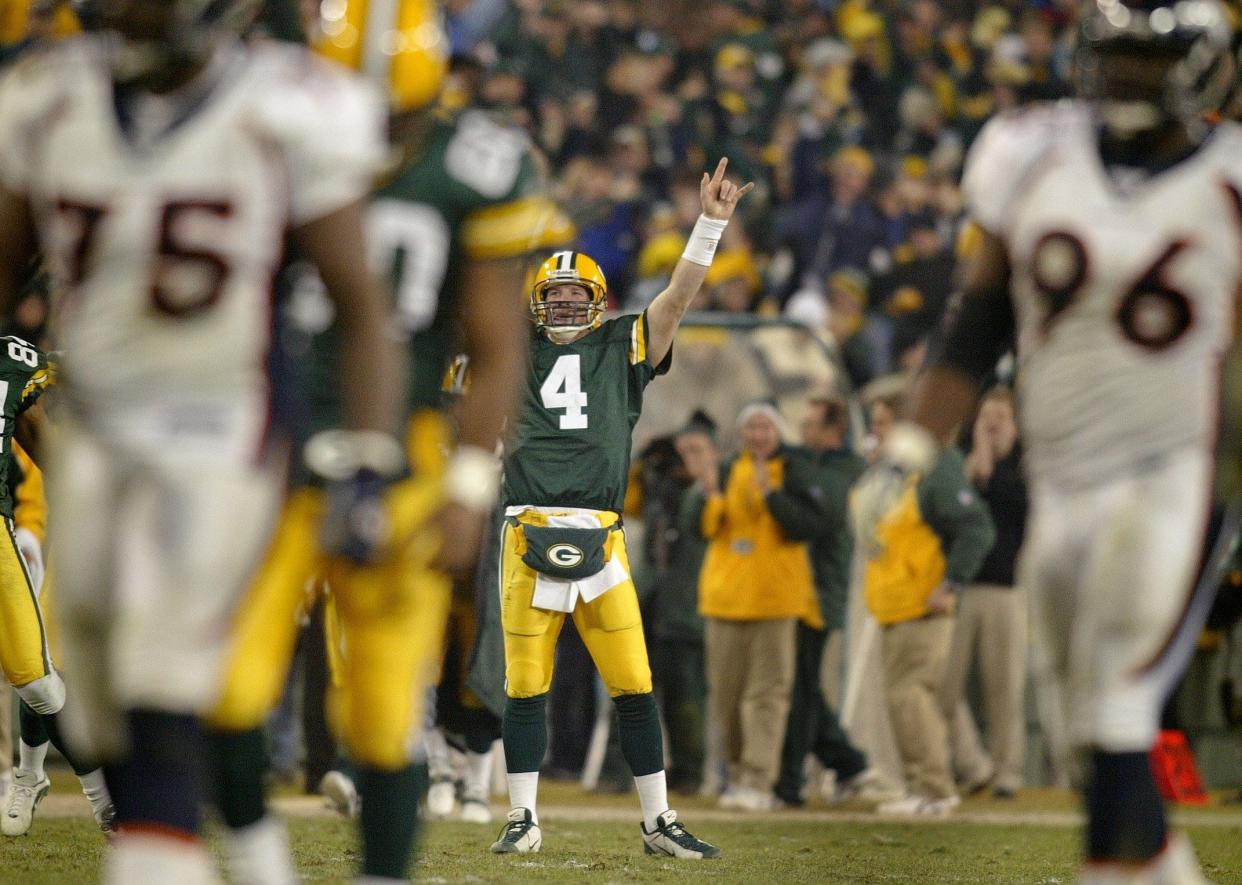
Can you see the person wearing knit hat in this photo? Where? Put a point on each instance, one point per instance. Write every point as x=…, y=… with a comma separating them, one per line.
x=765, y=408
x=755, y=585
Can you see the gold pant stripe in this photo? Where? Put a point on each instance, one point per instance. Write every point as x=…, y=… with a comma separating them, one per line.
x=24, y=652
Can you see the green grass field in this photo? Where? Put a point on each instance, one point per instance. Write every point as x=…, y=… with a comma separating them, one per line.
x=596, y=839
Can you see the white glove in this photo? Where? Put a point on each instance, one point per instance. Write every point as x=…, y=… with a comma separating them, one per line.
x=910, y=448
x=32, y=552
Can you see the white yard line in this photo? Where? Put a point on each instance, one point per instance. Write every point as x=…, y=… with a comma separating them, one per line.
x=63, y=805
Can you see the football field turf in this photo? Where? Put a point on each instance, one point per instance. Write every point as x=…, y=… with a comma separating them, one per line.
x=590, y=838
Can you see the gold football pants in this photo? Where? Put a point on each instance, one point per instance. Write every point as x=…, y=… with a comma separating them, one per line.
x=386, y=622
x=611, y=625
x=25, y=655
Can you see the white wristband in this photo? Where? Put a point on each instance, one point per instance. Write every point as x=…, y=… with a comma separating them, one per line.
x=473, y=479
x=701, y=247
x=336, y=455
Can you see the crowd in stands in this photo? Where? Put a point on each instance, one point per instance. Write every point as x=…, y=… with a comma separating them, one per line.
x=852, y=116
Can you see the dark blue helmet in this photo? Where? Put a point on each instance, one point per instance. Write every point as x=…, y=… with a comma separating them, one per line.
x=153, y=38
x=1148, y=61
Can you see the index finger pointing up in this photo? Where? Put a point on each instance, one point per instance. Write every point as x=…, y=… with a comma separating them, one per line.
x=720, y=170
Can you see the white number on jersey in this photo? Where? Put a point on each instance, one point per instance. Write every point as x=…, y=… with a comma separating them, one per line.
x=409, y=245
x=4, y=395
x=485, y=155
x=563, y=390
x=21, y=352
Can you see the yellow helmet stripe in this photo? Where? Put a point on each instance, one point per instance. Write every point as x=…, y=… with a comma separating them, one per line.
x=376, y=63
x=344, y=23
x=417, y=76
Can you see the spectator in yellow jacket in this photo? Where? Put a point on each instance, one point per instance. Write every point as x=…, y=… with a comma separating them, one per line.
x=756, y=584
x=925, y=536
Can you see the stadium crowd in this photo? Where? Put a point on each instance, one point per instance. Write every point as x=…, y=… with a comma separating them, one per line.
x=853, y=117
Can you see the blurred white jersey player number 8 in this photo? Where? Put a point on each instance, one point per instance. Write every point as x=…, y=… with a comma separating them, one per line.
x=158, y=165
x=1111, y=244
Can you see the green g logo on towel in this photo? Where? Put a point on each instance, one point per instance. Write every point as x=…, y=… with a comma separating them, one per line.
x=565, y=555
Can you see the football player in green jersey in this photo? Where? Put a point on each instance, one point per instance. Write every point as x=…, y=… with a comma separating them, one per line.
x=449, y=229
x=25, y=655
x=563, y=550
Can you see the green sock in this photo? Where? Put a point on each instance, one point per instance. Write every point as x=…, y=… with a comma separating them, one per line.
x=389, y=818
x=237, y=764
x=524, y=730
x=642, y=744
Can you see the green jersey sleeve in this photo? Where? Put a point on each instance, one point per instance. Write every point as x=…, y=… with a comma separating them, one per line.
x=24, y=375
x=639, y=332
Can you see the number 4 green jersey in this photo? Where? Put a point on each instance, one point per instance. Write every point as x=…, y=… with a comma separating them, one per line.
x=581, y=401
x=24, y=375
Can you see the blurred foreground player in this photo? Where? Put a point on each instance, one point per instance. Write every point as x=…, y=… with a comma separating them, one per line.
x=1110, y=233
x=449, y=227
x=25, y=653
x=159, y=165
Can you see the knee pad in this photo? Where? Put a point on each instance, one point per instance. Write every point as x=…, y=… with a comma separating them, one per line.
x=526, y=679
x=634, y=681
x=382, y=748
x=45, y=695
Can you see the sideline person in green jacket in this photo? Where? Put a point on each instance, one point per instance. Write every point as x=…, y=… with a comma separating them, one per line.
x=820, y=478
x=672, y=556
x=925, y=536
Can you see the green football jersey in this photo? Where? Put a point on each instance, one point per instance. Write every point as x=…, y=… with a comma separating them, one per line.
x=24, y=375
x=580, y=404
x=472, y=193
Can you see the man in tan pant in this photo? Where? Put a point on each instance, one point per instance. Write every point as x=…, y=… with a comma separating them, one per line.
x=991, y=622
x=924, y=537
x=915, y=653
x=6, y=738
x=752, y=672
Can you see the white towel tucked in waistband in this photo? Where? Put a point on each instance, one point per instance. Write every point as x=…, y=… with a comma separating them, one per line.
x=559, y=594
